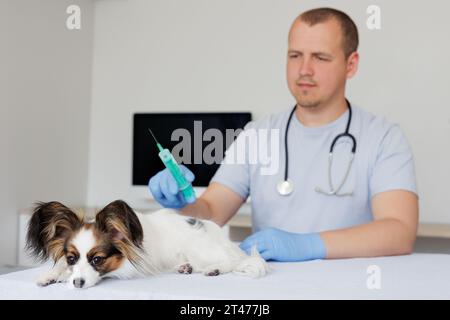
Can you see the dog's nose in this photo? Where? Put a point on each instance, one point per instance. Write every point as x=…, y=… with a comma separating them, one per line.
x=78, y=282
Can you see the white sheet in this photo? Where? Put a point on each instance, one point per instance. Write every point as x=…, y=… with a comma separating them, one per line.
x=417, y=276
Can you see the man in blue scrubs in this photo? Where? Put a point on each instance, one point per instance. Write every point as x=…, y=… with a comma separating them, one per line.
x=379, y=218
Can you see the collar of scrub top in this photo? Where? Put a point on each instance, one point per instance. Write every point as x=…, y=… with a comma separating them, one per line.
x=286, y=186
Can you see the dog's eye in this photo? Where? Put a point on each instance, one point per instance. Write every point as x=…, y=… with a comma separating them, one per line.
x=97, y=260
x=71, y=260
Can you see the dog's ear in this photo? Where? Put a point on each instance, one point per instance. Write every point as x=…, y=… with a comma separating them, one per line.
x=121, y=223
x=50, y=225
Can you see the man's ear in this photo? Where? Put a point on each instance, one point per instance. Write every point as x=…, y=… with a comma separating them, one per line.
x=352, y=64
x=120, y=222
x=50, y=225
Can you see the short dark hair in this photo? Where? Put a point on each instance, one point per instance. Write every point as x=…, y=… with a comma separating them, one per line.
x=348, y=27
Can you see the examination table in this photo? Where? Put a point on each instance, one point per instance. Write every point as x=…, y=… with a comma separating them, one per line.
x=416, y=276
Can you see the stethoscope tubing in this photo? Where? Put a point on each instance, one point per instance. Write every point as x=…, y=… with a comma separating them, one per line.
x=333, y=191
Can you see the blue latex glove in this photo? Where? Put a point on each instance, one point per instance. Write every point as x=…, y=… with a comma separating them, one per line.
x=279, y=245
x=165, y=190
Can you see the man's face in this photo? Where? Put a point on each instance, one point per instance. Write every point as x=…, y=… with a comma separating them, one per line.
x=316, y=65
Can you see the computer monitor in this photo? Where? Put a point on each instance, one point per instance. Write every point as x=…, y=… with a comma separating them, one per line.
x=167, y=126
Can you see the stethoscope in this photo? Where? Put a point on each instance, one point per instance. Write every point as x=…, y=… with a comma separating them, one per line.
x=286, y=186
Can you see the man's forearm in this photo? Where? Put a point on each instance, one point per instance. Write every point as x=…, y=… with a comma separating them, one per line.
x=378, y=238
x=199, y=209
x=217, y=203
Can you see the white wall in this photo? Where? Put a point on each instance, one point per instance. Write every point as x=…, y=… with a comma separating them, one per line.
x=195, y=55
x=404, y=76
x=203, y=55
x=45, y=83
x=175, y=56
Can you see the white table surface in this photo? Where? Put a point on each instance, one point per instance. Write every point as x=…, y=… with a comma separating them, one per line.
x=417, y=276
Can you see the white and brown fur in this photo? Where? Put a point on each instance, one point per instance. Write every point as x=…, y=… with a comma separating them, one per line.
x=126, y=244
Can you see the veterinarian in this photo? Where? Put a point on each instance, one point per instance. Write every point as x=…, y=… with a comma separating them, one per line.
x=360, y=202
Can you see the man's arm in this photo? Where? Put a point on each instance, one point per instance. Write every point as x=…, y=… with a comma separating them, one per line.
x=393, y=231
x=218, y=203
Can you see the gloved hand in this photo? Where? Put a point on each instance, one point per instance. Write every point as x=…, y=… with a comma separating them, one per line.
x=165, y=190
x=279, y=245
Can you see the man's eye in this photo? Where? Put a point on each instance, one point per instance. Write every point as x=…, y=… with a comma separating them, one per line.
x=97, y=260
x=71, y=260
x=293, y=56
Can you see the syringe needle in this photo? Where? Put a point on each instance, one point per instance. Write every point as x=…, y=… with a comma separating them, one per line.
x=152, y=134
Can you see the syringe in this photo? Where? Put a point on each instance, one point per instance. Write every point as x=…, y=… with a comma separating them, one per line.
x=173, y=167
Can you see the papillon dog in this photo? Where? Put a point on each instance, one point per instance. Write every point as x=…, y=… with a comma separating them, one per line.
x=125, y=244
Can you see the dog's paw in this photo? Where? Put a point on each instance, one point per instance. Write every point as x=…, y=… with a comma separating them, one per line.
x=212, y=273
x=185, y=268
x=45, y=280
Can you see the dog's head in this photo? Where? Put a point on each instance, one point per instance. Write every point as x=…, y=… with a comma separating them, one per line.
x=91, y=250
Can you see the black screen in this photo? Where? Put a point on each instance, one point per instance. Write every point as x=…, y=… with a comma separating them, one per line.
x=146, y=162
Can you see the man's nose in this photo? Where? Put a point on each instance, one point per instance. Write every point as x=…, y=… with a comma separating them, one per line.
x=78, y=282
x=306, y=67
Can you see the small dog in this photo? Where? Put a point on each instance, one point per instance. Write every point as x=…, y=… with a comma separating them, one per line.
x=125, y=244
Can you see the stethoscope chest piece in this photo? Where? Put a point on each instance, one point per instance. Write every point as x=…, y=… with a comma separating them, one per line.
x=285, y=187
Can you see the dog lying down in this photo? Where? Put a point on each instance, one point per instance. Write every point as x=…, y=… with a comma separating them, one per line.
x=122, y=243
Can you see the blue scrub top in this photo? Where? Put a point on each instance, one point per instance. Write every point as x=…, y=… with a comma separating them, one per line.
x=383, y=161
